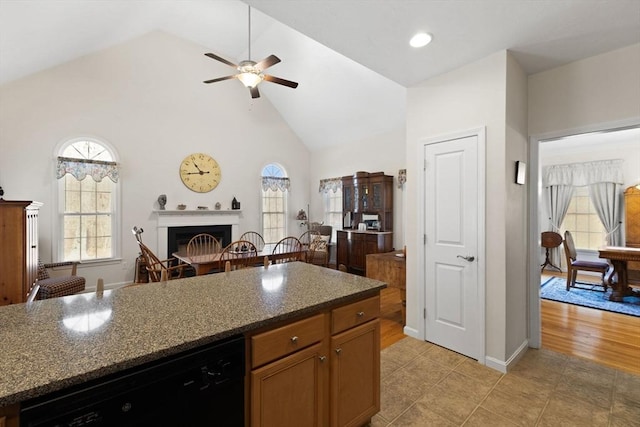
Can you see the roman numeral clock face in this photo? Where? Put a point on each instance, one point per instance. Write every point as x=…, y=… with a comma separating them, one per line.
x=200, y=172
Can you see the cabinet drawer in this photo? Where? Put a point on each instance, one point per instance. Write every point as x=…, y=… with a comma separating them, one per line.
x=272, y=345
x=355, y=314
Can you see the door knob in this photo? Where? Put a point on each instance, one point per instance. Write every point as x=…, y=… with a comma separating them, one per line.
x=469, y=258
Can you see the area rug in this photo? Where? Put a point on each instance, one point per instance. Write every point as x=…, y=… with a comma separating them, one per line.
x=588, y=295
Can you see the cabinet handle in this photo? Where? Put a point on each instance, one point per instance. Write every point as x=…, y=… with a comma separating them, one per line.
x=322, y=358
x=360, y=314
x=294, y=339
x=338, y=350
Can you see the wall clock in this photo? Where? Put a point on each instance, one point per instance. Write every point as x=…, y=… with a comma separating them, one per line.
x=200, y=172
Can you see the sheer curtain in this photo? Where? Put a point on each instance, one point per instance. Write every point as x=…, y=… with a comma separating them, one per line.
x=604, y=179
x=606, y=200
x=558, y=200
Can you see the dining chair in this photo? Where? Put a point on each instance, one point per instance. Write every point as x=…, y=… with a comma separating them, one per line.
x=255, y=238
x=239, y=254
x=287, y=250
x=203, y=244
x=574, y=265
x=159, y=270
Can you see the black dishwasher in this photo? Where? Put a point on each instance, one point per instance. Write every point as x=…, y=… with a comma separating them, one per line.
x=200, y=387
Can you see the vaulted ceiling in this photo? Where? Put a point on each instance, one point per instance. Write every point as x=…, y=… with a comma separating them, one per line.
x=351, y=57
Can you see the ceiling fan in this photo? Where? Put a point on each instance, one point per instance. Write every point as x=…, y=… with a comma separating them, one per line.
x=250, y=73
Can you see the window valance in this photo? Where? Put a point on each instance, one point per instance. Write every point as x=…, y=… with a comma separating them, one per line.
x=80, y=168
x=581, y=174
x=274, y=183
x=330, y=184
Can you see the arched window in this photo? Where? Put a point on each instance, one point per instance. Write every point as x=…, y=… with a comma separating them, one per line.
x=275, y=185
x=87, y=175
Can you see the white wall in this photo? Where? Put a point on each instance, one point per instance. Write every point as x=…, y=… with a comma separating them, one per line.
x=147, y=99
x=383, y=153
x=596, y=93
x=583, y=94
x=516, y=210
x=470, y=97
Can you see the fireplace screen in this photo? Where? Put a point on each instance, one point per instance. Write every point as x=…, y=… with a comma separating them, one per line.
x=178, y=237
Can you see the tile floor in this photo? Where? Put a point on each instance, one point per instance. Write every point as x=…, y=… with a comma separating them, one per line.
x=427, y=385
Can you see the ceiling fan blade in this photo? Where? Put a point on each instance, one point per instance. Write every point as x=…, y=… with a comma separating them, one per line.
x=224, y=61
x=219, y=79
x=280, y=81
x=267, y=62
x=254, y=92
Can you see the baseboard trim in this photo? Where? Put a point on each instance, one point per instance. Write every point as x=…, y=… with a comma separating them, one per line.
x=413, y=333
x=505, y=366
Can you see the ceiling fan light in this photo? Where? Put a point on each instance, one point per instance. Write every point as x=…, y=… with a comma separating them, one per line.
x=250, y=79
x=420, y=40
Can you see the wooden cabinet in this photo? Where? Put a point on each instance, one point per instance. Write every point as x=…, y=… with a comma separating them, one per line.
x=368, y=193
x=18, y=249
x=9, y=416
x=355, y=375
x=391, y=268
x=323, y=370
x=290, y=391
x=632, y=229
x=353, y=247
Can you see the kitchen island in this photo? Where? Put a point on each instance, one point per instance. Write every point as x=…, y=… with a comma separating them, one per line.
x=53, y=344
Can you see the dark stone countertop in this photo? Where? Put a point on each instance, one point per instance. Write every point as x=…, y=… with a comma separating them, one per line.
x=52, y=344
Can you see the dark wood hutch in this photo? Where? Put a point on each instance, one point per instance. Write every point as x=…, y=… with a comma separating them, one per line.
x=370, y=194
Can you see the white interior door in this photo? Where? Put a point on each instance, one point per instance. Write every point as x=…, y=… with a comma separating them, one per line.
x=453, y=317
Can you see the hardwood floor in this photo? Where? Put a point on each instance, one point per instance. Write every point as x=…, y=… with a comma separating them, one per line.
x=391, y=317
x=607, y=338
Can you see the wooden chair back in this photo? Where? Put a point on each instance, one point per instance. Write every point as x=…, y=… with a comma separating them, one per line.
x=255, y=238
x=160, y=270
x=203, y=244
x=290, y=246
x=240, y=254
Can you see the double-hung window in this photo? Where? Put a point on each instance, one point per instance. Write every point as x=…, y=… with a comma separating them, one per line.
x=331, y=190
x=275, y=185
x=583, y=222
x=87, y=202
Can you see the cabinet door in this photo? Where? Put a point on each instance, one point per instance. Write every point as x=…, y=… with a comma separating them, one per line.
x=342, y=249
x=355, y=375
x=357, y=251
x=290, y=392
x=347, y=195
x=377, y=196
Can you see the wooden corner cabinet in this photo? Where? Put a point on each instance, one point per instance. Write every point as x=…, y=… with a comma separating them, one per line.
x=368, y=193
x=323, y=370
x=632, y=229
x=18, y=249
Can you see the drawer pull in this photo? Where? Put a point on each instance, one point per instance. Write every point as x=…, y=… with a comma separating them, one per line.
x=294, y=339
x=360, y=314
x=338, y=350
x=322, y=358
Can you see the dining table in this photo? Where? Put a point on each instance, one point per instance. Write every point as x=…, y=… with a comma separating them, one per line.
x=617, y=276
x=203, y=264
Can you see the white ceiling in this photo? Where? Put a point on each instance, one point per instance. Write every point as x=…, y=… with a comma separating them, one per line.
x=351, y=57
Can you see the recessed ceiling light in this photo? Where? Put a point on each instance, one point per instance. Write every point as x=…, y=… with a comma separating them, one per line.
x=420, y=39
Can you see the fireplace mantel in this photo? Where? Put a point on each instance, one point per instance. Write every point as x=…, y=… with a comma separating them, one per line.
x=185, y=218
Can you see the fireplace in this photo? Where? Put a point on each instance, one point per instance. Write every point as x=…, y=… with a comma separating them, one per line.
x=223, y=224
x=178, y=237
